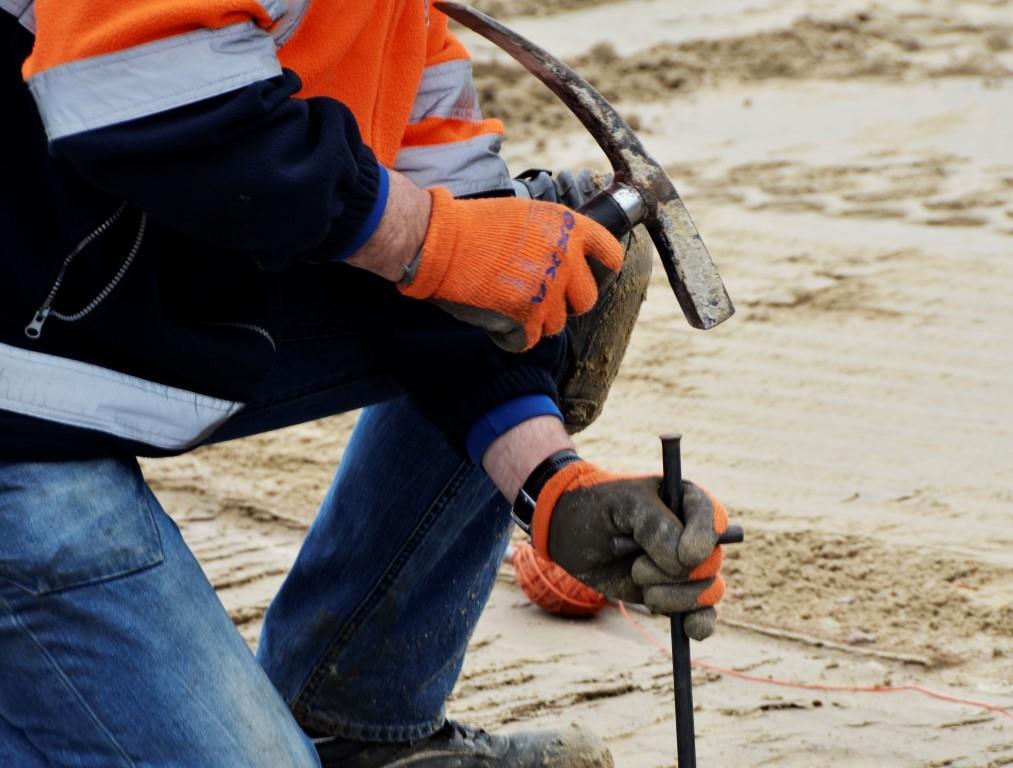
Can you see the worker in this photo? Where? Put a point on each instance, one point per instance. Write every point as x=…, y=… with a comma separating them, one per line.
x=224, y=217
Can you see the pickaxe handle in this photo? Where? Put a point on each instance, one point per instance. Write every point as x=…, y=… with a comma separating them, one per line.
x=618, y=208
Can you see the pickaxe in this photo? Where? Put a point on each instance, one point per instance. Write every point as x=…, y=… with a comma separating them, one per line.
x=641, y=193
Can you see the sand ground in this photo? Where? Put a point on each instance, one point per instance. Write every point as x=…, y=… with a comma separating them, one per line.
x=850, y=165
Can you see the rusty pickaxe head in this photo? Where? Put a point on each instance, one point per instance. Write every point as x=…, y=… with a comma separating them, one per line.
x=642, y=192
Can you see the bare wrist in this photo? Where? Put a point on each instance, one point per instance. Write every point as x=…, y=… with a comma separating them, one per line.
x=401, y=233
x=512, y=456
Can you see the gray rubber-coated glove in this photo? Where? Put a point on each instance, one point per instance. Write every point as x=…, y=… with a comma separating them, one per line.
x=570, y=189
x=584, y=518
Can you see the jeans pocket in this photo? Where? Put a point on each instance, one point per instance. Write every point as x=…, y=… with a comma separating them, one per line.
x=69, y=524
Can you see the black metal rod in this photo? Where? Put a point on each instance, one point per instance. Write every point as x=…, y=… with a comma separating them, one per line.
x=682, y=672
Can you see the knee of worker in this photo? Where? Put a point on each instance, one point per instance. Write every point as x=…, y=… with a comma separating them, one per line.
x=67, y=524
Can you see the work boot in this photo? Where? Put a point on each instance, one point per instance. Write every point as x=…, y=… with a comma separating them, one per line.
x=457, y=745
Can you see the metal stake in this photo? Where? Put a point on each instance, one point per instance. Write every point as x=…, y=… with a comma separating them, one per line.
x=671, y=494
x=685, y=730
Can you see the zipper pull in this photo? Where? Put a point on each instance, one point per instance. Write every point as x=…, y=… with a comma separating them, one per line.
x=34, y=329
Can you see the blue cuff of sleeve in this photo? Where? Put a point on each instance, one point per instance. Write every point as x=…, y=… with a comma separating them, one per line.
x=505, y=417
x=372, y=222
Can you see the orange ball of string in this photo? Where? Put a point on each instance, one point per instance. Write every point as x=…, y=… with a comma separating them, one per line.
x=550, y=587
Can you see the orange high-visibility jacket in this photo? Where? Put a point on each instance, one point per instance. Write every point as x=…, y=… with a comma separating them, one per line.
x=405, y=77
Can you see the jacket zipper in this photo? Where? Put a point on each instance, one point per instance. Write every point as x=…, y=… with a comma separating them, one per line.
x=34, y=328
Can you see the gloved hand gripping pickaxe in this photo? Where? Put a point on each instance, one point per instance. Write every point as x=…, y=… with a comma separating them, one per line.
x=641, y=192
x=614, y=532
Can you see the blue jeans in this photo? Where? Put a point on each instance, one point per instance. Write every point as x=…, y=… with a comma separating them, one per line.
x=115, y=651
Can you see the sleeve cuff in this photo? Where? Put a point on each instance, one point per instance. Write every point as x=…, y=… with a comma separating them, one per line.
x=505, y=417
x=372, y=222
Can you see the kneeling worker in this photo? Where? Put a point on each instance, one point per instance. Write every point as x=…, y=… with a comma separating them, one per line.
x=224, y=217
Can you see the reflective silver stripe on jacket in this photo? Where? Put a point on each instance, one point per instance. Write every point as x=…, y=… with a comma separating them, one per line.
x=152, y=78
x=23, y=10
x=83, y=395
x=464, y=167
x=448, y=91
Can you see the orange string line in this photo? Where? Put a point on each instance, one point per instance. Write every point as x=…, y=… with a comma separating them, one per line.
x=653, y=641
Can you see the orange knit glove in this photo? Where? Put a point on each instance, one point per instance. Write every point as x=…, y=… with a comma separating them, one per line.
x=515, y=268
x=584, y=515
